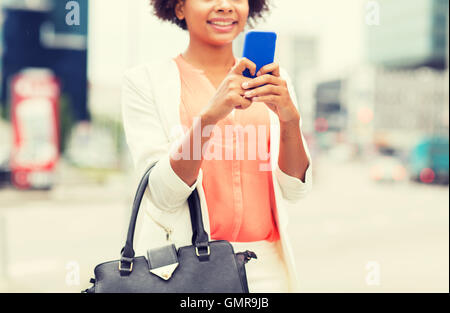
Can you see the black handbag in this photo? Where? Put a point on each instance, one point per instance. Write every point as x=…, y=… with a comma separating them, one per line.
x=204, y=267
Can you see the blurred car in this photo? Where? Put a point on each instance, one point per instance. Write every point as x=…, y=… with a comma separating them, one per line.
x=388, y=166
x=429, y=160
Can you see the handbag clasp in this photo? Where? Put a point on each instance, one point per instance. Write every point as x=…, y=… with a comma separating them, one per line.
x=203, y=256
x=125, y=270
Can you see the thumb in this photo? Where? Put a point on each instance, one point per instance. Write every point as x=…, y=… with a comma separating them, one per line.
x=242, y=65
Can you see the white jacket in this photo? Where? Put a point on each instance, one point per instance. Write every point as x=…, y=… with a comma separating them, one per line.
x=150, y=111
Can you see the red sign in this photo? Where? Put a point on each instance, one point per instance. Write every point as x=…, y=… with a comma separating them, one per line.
x=35, y=121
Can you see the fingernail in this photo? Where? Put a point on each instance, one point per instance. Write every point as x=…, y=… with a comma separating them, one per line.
x=245, y=85
x=248, y=94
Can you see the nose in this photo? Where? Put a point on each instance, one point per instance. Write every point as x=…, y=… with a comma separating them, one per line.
x=224, y=6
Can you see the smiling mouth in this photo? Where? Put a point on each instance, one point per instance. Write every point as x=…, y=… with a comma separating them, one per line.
x=219, y=23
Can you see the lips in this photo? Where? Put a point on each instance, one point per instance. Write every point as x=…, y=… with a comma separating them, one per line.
x=222, y=25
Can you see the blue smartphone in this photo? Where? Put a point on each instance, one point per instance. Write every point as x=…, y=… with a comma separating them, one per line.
x=259, y=47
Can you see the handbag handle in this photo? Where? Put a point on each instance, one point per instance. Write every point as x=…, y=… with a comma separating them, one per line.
x=199, y=235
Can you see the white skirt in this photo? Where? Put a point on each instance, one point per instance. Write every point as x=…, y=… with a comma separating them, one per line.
x=268, y=272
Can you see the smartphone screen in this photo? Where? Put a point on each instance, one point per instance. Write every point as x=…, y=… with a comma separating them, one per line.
x=259, y=47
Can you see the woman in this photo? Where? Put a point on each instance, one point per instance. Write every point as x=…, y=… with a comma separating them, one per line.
x=244, y=198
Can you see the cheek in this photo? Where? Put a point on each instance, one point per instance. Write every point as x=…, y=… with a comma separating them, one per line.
x=243, y=10
x=243, y=15
x=196, y=16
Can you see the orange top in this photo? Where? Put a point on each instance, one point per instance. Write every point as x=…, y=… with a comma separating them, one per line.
x=239, y=195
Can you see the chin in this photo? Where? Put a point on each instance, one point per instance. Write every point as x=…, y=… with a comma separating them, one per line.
x=221, y=40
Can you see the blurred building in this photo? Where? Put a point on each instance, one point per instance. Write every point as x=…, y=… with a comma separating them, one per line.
x=396, y=107
x=39, y=34
x=401, y=94
x=383, y=107
x=410, y=34
x=407, y=92
x=331, y=112
x=303, y=63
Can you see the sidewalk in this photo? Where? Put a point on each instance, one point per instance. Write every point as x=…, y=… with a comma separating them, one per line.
x=347, y=222
x=73, y=227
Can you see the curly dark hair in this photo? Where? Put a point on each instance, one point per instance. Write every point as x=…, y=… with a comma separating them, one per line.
x=165, y=10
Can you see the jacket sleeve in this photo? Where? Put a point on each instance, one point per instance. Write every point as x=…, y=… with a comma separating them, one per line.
x=148, y=142
x=292, y=188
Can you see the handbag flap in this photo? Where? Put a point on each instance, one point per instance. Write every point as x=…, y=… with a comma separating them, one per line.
x=162, y=261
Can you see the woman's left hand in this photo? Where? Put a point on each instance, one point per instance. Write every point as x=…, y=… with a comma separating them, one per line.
x=273, y=91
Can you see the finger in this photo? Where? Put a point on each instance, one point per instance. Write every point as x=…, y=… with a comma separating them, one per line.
x=245, y=80
x=263, y=91
x=242, y=103
x=267, y=99
x=272, y=68
x=262, y=80
x=242, y=65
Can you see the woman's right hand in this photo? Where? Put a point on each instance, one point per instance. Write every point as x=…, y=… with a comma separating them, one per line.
x=230, y=94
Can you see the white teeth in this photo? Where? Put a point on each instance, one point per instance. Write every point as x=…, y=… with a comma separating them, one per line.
x=222, y=23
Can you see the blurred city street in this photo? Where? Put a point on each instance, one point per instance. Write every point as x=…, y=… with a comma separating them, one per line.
x=347, y=222
x=371, y=80
x=76, y=225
